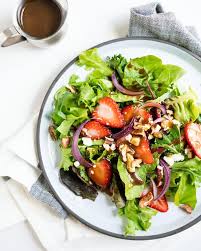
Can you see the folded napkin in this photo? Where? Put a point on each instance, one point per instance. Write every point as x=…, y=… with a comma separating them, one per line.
x=19, y=162
x=151, y=21
x=18, y=156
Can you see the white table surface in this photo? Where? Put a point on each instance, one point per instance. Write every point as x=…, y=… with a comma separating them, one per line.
x=27, y=72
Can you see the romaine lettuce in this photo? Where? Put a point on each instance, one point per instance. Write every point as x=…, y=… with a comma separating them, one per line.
x=137, y=218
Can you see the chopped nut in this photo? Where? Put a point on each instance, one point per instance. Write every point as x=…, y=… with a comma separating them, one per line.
x=169, y=117
x=128, y=137
x=158, y=135
x=136, y=163
x=129, y=162
x=170, y=112
x=188, y=152
x=124, y=149
x=70, y=88
x=150, y=120
x=109, y=140
x=146, y=199
x=140, y=132
x=150, y=137
x=52, y=133
x=187, y=208
x=144, y=127
x=155, y=128
x=166, y=124
x=135, y=141
x=65, y=142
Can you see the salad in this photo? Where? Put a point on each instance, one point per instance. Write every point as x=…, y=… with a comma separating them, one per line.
x=129, y=131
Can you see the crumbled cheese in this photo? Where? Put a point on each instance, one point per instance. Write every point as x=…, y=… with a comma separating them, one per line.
x=113, y=147
x=174, y=158
x=87, y=141
x=106, y=146
x=176, y=122
x=169, y=160
x=76, y=163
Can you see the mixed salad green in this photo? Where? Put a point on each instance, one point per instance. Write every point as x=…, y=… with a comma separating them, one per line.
x=129, y=131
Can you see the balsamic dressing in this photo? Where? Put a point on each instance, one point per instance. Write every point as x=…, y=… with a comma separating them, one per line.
x=40, y=18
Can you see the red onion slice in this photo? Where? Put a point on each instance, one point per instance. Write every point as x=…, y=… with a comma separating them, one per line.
x=157, y=105
x=75, y=150
x=154, y=188
x=127, y=129
x=124, y=90
x=167, y=171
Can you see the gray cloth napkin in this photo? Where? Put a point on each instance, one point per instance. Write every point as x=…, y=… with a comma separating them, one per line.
x=149, y=21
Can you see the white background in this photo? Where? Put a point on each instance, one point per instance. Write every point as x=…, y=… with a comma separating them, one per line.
x=27, y=72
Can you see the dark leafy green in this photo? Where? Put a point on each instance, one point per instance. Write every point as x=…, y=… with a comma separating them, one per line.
x=71, y=180
x=171, y=141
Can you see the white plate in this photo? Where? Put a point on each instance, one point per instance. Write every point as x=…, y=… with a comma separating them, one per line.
x=101, y=215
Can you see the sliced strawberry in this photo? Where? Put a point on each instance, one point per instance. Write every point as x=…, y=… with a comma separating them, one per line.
x=160, y=205
x=143, y=151
x=108, y=113
x=143, y=113
x=192, y=132
x=101, y=173
x=95, y=130
x=130, y=111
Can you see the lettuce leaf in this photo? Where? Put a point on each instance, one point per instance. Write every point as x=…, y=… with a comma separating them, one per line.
x=186, y=192
x=191, y=167
x=185, y=106
x=185, y=177
x=121, y=98
x=131, y=190
x=91, y=60
x=66, y=158
x=137, y=218
x=171, y=141
x=160, y=77
x=118, y=63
